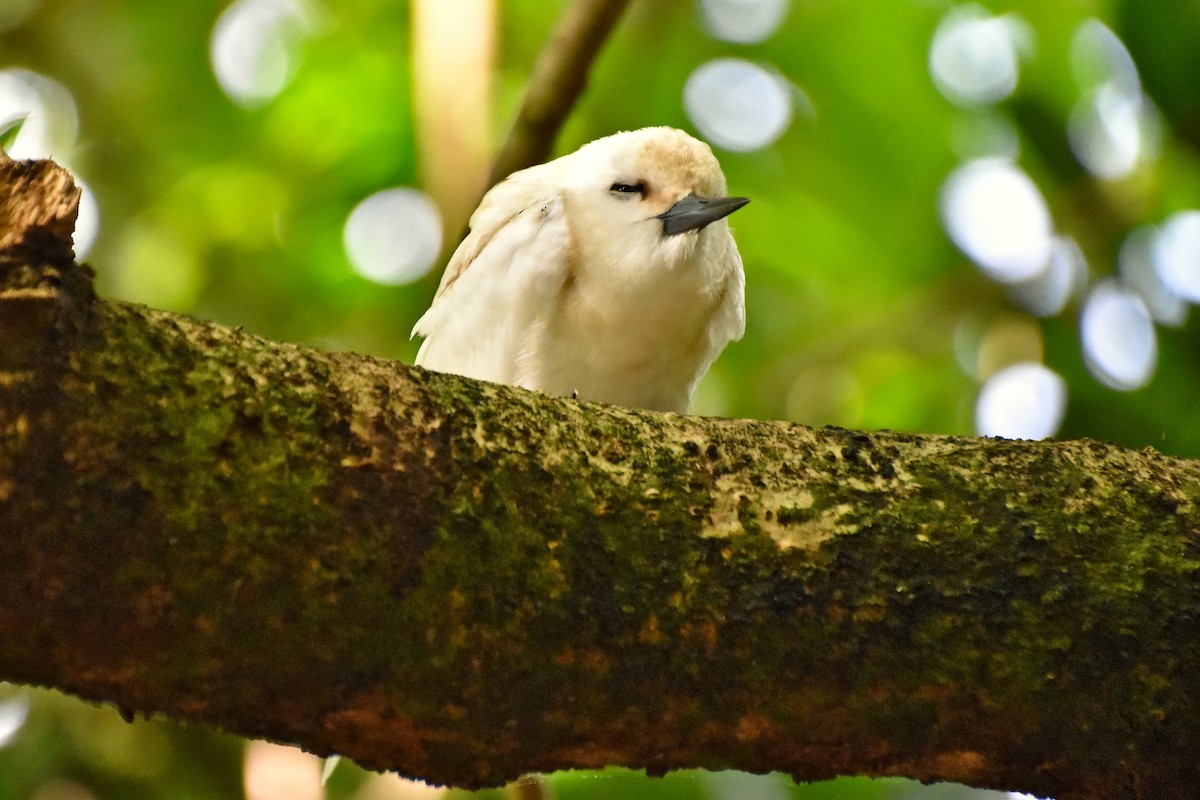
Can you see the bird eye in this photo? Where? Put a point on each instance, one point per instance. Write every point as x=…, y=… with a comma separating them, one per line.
x=628, y=188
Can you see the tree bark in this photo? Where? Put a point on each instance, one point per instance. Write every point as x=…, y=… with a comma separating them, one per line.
x=465, y=582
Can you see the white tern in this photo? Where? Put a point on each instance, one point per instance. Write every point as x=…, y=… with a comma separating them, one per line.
x=607, y=274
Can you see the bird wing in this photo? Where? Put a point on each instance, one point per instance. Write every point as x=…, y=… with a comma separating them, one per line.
x=728, y=323
x=502, y=279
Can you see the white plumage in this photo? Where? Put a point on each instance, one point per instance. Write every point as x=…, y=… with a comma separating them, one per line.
x=609, y=274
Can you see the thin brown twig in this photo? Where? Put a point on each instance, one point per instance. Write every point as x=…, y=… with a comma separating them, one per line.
x=559, y=78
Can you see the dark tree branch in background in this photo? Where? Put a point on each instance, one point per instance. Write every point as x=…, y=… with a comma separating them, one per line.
x=558, y=78
x=465, y=582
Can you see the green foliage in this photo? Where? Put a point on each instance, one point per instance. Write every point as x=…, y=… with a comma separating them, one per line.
x=9, y=130
x=856, y=299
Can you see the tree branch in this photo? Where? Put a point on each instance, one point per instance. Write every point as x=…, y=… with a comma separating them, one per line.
x=558, y=78
x=465, y=582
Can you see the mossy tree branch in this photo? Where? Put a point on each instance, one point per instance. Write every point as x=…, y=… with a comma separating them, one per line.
x=465, y=582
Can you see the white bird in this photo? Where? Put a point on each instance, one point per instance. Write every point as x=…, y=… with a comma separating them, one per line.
x=607, y=274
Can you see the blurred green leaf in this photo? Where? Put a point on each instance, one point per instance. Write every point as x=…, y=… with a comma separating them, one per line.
x=9, y=130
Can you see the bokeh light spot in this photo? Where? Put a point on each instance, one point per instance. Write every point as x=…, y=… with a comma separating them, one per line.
x=1114, y=126
x=973, y=58
x=256, y=44
x=393, y=236
x=1111, y=131
x=995, y=214
x=51, y=118
x=1048, y=292
x=1021, y=401
x=1176, y=254
x=1137, y=264
x=14, y=710
x=390, y=786
x=87, y=225
x=1098, y=56
x=743, y=21
x=279, y=772
x=1119, y=344
x=737, y=105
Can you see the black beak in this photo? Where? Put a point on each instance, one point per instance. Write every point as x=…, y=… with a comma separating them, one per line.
x=692, y=213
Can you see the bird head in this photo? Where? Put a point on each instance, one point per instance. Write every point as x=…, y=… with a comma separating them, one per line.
x=659, y=188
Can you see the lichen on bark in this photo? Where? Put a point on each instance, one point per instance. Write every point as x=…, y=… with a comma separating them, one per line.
x=466, y=582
